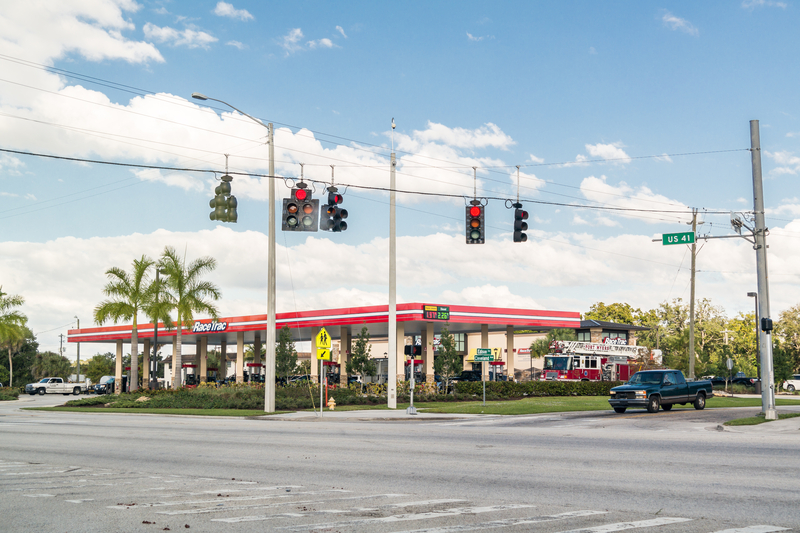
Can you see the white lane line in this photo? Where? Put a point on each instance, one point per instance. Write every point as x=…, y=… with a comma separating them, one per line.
x=453, y=511
x=754, y=529
x=221, y=508
x=221, y=500
x=80, y=501
x=621, y=526
x=39, y=495
x=509, y=522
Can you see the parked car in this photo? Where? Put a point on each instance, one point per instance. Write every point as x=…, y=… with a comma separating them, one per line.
x=747, y=382
x=791, y=384
x=105, y=385
x=468, y=375
x=719, y=382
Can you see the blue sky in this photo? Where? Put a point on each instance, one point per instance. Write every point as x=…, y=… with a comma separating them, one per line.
x=596, y=101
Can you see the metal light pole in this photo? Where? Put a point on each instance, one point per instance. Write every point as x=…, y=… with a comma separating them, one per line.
x=78, y=373
x=760, y=234
x=758, y=346
x=269, y=358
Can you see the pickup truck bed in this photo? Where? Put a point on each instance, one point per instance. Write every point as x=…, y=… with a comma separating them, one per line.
x=652, y=389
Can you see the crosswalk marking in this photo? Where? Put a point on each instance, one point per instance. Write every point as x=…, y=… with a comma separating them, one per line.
x=453, y=511
x=508, y=522
x=754, y=529
x=207, y=510
x=622, y=526
x=80, y=501
x=234, y=499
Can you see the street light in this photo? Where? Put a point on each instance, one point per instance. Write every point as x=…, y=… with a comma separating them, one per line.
x=78, y=373
x=269, y=362
x=758, y=344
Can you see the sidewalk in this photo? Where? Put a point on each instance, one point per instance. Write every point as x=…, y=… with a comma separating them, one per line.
x=398, y=415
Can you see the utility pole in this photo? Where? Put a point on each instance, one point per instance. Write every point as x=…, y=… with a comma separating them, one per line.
x=269, y=357
x=391, y=385
x=691, y=295
x=760, y=234
x=61, y=344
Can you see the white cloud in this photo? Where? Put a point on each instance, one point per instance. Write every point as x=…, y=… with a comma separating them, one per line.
x=609, y=152
x=189, y=37
x=793, y=134
x=751, y=4
x=320, y=43
x=473, y=38
x=592, y=51
x=535, y=159
x=785, y=162
x=623, y=196
x=10, y=164
x=488, y=135
x=341, y=30
x=235, y=44
x=91, y=28
x=678, y=24
x=290, y=41
x=183, y=181
x=225, y=9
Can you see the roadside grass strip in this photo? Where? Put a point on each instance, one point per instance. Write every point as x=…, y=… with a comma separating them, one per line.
x=758, y=419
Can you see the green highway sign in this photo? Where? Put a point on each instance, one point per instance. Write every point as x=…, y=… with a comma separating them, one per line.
x=483, y=354
x=677, y=238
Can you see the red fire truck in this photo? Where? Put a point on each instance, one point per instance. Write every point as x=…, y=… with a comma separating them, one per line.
x=588, y=361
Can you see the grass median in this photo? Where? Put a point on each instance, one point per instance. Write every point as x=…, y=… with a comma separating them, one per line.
x=524, y=406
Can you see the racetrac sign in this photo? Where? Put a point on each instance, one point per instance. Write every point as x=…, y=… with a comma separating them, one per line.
x=199, y=327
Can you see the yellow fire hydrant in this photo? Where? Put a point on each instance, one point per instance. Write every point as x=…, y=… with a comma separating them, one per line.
x=331, y=404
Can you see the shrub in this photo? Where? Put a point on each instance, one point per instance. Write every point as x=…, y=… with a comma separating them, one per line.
x=515, y=389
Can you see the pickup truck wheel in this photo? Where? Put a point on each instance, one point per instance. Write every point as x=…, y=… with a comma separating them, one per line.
x=76, y=391
x=41, y=392
x=666, y=406
x=700, y=401
x=619, y=410
x=790, y=388
x=653, y=404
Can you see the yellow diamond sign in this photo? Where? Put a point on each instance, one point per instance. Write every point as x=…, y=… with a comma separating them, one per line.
x=323, y=339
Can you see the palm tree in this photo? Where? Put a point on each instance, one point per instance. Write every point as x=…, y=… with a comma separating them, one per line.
x=187, y=294
x=129, y=294
x=12, y=327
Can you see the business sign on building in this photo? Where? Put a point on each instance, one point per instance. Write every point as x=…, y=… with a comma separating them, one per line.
x=205, y=327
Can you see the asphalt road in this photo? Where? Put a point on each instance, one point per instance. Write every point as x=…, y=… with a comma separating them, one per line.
x=366, y=471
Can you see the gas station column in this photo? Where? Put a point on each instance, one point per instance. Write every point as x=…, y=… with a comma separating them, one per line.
x=427, y=353
x=223, y=358
x=400, y=352
x=145, y=376
x=118, y=369
x=314, y=362
x=509, y=353
x=202, y=354
x=344, y=356
x=485, y=344
x=176, y=371
x=240, y=357
x=257, y=349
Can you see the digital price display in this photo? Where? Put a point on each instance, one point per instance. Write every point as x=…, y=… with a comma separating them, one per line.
x=435, y=312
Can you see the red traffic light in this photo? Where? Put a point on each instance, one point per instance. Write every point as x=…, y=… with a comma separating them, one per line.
x=475, y=211
x=300, y=194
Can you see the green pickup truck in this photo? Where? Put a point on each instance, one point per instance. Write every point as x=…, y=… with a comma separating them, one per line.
x=660, y=388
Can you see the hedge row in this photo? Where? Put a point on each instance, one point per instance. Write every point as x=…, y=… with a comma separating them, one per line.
x=305, y=397
x=517, y=389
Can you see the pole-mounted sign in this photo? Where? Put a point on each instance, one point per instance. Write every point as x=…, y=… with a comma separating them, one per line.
x=677, y=238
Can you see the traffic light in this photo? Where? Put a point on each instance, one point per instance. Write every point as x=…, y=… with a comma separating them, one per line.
x=335, y=215
x=224, y=204
x=520, y=225
x=300, y=212
x=475, y=229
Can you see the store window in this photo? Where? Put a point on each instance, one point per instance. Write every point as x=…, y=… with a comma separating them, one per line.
x=618, y=337
x=585, y=336
x=459, y=338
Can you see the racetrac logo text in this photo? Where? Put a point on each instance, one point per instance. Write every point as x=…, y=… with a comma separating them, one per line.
x=211, y=326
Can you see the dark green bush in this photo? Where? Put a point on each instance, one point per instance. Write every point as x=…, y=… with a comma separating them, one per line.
x=514, y=389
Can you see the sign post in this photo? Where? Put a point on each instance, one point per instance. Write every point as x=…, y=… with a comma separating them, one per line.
x=483, y=355
x=323, y=354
